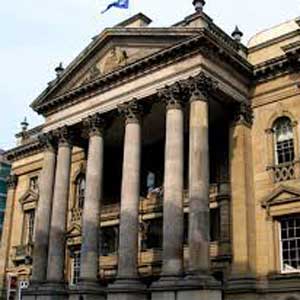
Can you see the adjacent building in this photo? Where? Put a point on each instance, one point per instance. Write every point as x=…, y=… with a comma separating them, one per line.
x=168, y=167
x=4, y=173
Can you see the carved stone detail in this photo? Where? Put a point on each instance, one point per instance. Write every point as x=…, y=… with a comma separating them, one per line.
x=200, y=86
x=93, y=74
x=12, y=181
x=132, y=111
x=244, y=114
x=173, y=96
x=47, y=140
x=64, y=136
x=94, y=125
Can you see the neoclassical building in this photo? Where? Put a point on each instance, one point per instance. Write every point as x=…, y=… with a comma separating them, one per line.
x=168, y=167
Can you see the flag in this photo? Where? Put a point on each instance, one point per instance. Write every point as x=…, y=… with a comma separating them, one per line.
x=119, y=4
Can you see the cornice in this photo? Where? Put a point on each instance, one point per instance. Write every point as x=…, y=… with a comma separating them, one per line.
x=205, y=43
x=23, y=151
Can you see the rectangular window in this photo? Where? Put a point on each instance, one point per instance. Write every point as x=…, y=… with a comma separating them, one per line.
x=215, y=224
x=34, y=183
x=109, y=237
x=75, y=272
x=285, y=151
x=29, y=226
x=290, y=243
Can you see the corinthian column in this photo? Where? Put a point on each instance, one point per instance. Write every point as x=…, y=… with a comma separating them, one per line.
x=127, y=285
x=56, y=255
x=173, y=183
x=130, y=194
x=199, y=240
x=93, y=196
x=43, y=214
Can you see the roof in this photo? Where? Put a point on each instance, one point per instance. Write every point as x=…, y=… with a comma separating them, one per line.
x=274, y=32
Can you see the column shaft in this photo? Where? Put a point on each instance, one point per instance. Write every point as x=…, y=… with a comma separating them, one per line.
x=130, y=195
x=91, y=212
x=7, y=228
x=199, y=188
x=173, y=193
x=56, y=256
x=43, y=217
x=242, y=195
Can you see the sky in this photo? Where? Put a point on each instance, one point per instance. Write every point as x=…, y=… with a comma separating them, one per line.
x=37, y=35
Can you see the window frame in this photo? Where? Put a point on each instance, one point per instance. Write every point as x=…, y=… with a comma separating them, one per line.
x=276, y=142
x=280, y=246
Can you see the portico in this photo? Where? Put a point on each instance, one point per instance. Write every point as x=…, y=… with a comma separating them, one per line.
x=182, y=116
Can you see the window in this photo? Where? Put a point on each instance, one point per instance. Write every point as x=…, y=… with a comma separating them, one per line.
x=215, y=224
x=109, y=237
x=75, y=268
x=29, y=226
x=152, y=234
x=290, y=243
x=284, y=141
x=80, y=191
x=34, y=183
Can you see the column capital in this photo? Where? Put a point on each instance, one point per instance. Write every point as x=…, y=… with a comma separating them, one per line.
x=173, y=96
x=243, y=114
x=200, y=86
x=132, y=111
x=12, y=181
x=63, y=136
x=94, y=125
x=47, y=140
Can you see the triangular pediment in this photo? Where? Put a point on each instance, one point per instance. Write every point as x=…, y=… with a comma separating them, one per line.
x=29, y=197
x=281, y=195
x=112, y=50
x=74, y=230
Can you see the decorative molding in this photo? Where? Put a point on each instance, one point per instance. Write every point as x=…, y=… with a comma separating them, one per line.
x=132, y=111
x=94, y=125
x=200, y=86
x=205, y=43
x=64, y=136
x=47, y=141
x=174, y=96
x=243, y=114
x=24, y=151
x=12, y=181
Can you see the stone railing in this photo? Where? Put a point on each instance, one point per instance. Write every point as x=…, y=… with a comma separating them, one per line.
x=283, y=172
x=76, y=214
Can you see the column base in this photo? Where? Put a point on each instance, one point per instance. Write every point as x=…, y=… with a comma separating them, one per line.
x=127, y=289
x=192, y=287
x=46, y=291
x=88, y=290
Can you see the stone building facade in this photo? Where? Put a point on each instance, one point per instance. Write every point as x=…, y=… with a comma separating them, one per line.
x=4, y=172
x=167, y=168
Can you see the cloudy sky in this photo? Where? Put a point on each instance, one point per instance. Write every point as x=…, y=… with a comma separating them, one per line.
x=38, y=34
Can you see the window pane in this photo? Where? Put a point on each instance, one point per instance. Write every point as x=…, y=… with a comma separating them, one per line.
x=290, y=243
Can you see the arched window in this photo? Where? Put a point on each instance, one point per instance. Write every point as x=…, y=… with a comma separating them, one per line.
x=284, y=140
x=80, y=191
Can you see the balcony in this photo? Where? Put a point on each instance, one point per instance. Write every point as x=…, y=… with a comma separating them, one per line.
x=284, y=172
x=22, y=254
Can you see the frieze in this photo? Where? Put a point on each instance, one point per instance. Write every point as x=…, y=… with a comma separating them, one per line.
x=24, y=151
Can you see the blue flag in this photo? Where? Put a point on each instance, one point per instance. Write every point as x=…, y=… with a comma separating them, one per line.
x=118, y=3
